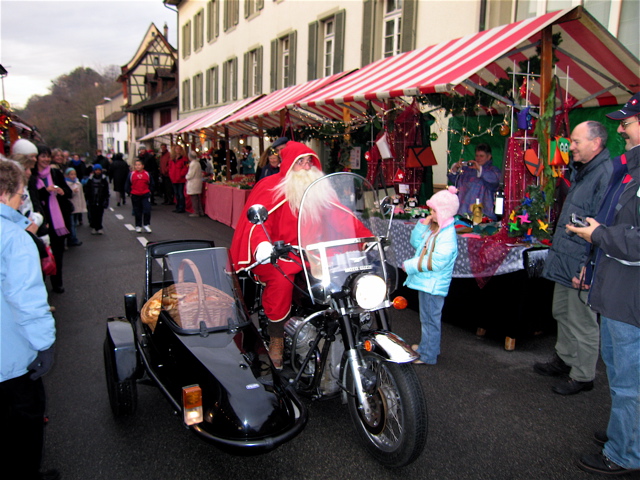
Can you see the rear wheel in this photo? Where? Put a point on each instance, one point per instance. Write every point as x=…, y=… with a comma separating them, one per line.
x=123, y=396
x=395, y=429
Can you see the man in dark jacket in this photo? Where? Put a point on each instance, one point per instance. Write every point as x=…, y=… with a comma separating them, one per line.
x=615, y=295
x=578, y=334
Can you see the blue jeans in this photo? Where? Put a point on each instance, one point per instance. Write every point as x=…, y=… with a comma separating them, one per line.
x=620, y=348
x=178, y=192
x=430, y=318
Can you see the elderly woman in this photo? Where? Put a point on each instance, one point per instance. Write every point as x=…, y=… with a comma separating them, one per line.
x=28, y=332
x=54, y=195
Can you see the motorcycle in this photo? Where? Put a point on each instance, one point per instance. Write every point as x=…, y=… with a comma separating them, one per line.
x=194, y=335
x=338, y=339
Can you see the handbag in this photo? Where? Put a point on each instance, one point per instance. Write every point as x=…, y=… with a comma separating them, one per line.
x=419, y=157
x=49, y=263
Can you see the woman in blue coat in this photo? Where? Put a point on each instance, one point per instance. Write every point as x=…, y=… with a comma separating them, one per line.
x=431, y=268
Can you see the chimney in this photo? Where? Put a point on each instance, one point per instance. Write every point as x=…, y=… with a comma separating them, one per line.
x=166, y=31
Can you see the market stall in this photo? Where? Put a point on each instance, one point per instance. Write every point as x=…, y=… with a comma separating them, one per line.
x=225, y=203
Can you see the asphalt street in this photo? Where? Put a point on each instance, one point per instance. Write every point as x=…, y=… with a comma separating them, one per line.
x=490, y=415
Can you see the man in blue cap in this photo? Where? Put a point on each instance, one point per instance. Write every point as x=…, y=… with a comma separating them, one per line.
x=615, y=295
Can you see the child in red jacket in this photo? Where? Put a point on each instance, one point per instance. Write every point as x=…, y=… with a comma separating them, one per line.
x=139, y=185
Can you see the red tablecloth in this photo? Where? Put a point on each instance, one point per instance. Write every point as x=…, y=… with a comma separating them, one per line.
x=224, y=204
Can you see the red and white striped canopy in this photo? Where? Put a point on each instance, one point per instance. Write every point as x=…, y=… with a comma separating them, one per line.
x=215, y=116
x=600, y=70
x=173, y=127
x=265, y=112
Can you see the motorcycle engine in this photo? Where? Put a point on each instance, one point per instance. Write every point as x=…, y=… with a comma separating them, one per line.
x=301, y=334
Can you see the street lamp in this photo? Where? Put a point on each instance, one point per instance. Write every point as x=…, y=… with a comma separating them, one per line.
x=88, y=138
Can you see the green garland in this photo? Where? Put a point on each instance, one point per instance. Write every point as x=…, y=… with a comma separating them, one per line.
x=530, y=218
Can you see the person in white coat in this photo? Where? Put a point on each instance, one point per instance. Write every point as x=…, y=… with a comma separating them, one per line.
x=194, y=184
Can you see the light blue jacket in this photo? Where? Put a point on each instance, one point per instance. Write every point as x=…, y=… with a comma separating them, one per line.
x=26, y=325
x=435, y=281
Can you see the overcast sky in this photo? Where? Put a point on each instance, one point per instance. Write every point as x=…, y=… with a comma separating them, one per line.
x=41, y=40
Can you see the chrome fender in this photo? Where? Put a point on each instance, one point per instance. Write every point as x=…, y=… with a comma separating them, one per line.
x=389, y=346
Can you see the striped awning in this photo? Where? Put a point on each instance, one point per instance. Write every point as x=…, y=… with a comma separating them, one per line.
x=594, y=67
x=215, y=116
x=173, y=127
x=268, y=111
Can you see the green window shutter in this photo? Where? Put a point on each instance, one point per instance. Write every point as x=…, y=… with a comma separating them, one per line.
x=207, y=88
x=367, y=32
x=225, y=81
x=234, y=80
x=274, y=65
x=409, y=25
x=259, y=4
x=260, y=56
x=338, y=52
x=292, y=58
x=245, y=76
x=312, y=57
x=236, y=12
x=246, y=8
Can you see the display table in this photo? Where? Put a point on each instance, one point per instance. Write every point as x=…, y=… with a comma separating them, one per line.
x=224, y=204
x=503, y=293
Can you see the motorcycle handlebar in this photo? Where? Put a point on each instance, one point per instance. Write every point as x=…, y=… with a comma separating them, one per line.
x=280, y=249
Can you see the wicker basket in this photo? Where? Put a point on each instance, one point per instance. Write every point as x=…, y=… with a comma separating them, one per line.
x=189, y=303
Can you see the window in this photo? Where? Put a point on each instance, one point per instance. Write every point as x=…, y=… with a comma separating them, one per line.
x=197, y=91
x=389, y=28
x=251, y=7
x=329, y=44
x=392, y=28
x=213, y=20
x=283, y=61
x=231, y=13
x=230, y=80
x=326, y=46
x=252, y=80
x=186, y=39
x=186, y=95
x=165, y=116
x=198, y=30
x=212, y=86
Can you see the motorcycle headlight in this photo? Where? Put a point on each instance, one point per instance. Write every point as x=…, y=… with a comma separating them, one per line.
x=369, y=291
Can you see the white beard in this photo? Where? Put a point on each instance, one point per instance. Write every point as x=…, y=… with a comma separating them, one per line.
x=294, y=184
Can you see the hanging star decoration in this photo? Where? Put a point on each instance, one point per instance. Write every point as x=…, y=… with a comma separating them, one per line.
x=530, y=220
x=543, y=226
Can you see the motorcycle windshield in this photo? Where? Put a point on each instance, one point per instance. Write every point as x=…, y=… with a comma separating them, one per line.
x=340, y=226
x=198, y=290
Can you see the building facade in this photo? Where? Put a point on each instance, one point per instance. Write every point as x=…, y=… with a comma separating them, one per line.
x=150, y=94
x=234, y=49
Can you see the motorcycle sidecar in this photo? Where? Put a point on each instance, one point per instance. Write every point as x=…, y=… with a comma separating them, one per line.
x=195, y=341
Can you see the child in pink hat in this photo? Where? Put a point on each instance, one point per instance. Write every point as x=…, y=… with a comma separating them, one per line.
x=431, y=268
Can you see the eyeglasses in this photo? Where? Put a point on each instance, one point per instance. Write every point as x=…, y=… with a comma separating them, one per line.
x=624, y=124
x=304, y=161
x=24, y=196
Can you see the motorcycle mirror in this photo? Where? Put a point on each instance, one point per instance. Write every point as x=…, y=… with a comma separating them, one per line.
x=386, y=205
x=257, y=214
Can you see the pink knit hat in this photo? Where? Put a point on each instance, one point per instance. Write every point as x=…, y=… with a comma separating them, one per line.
x=445, y=205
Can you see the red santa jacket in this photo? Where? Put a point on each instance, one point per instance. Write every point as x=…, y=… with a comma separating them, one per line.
x=282, y=223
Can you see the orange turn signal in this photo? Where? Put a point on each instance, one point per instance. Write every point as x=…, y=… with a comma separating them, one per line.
x=192, y=404
x=400, y=303
x=368, y=346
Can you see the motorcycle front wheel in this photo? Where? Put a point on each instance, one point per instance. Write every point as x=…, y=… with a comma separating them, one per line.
x=395, y=430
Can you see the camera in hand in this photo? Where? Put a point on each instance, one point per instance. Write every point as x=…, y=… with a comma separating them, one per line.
x=578, y=221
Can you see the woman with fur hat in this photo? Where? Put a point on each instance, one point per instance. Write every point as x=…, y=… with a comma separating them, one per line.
x=431, y=268
x=194, y=184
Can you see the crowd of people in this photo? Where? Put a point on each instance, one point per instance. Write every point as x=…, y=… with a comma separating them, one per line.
x=595, y=268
